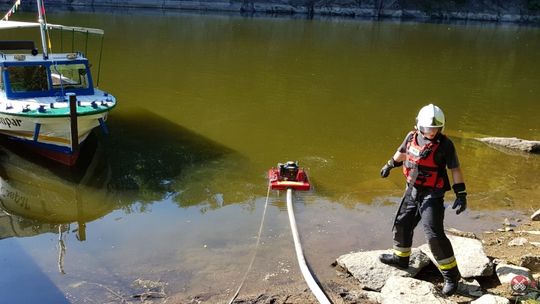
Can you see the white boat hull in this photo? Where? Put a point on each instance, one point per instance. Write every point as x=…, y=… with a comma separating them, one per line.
x=51, y=131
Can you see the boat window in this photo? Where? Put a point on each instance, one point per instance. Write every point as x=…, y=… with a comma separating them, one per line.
x=28, y=78
x=69, y=76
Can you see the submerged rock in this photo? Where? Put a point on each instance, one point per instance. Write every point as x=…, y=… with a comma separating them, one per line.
x=470, y=257
x=530, y=146
x=536, y=216
x=401, y=290
x=372, y=274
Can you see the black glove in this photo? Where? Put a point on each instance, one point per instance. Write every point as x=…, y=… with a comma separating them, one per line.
x=461, y=198
x=391, y=164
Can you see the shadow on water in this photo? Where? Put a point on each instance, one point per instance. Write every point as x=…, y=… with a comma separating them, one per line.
x=140, y=162
x=152, y=158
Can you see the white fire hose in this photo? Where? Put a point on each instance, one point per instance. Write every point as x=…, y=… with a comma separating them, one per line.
x=308, y=277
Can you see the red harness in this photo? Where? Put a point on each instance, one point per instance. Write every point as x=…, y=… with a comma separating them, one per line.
x=430, y=174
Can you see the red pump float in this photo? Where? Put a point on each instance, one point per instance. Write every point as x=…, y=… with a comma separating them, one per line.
x=287, y=176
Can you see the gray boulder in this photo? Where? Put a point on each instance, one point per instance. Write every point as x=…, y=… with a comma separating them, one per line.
x=470, y=287
x=470, y=257
x=515, y=143
x=506, y=272
x=372, y=274
x=530, y=261
x=402, y=290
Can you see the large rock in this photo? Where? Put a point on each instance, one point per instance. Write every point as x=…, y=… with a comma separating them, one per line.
x=402, y=290
x=470, y=287
x=506, y=272
x=491, y=299
x=372, y=274
x=470, y=257
x=530, y=146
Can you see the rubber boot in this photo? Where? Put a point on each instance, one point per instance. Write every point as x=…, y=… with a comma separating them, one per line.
x=451, y=279
x=394, y=260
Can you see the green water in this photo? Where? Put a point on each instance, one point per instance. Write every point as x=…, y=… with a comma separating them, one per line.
x=336, y=95
x=208, y=103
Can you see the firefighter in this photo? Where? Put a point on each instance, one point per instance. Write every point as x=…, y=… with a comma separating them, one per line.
x=425, y=154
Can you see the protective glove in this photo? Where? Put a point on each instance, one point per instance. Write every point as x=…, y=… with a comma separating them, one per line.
x=461, y=198
x=391, y=164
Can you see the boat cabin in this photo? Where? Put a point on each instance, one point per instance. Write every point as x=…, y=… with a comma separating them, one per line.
x=30, y=75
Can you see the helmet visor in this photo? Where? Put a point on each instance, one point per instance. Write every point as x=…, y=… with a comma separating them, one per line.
x=430, y=130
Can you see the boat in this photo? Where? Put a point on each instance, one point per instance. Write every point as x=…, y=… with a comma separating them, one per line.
x=48, y=100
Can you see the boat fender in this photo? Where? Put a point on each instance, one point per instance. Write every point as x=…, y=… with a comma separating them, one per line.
x=52, y=105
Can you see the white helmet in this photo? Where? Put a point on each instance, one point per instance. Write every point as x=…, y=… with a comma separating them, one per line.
x=430, y=116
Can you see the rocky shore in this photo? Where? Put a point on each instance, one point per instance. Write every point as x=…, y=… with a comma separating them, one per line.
x=488, y=263
x=527, y=11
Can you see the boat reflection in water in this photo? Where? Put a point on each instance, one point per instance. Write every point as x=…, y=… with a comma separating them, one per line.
x=37, y=196
x=130, y=170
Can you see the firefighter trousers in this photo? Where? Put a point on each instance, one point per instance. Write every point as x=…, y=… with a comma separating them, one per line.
x=423, y=206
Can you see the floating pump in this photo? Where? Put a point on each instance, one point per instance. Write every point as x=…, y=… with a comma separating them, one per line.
x=288, y=175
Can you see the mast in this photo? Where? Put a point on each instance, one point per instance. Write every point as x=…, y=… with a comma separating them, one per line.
x=43, y=29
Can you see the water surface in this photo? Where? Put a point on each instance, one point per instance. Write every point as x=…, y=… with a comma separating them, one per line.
x=207, y=103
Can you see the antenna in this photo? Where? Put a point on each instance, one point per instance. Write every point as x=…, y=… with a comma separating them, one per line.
x=43, y=29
